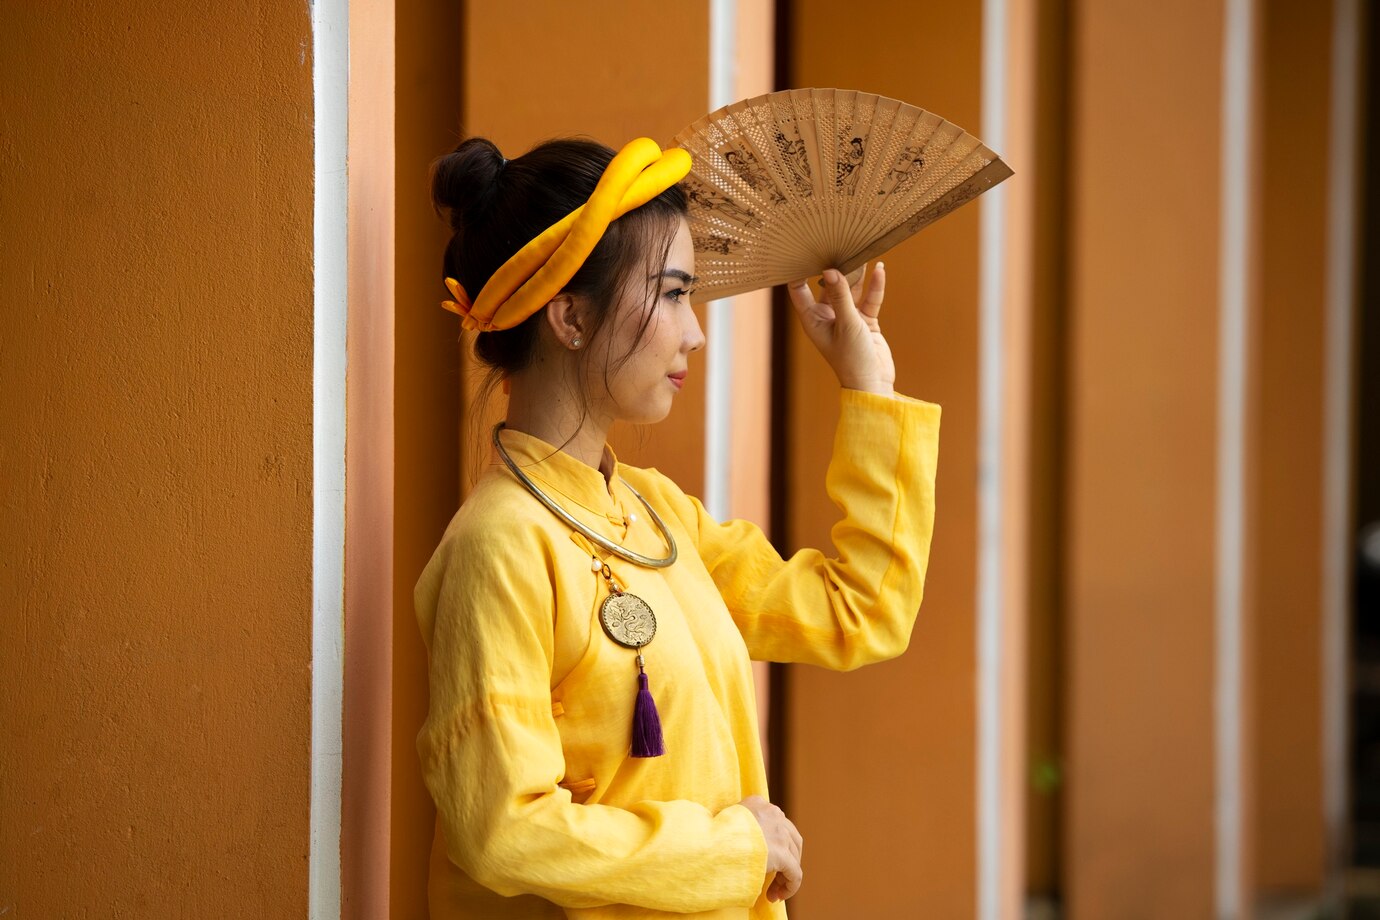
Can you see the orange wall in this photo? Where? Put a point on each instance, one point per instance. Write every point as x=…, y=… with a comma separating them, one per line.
x=1142, y=452
x=156, y=372
x=881, y=762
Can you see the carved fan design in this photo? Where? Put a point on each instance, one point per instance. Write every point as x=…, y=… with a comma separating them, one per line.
x=791, y=183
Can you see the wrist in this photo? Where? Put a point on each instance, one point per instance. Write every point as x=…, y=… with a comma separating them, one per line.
x=879, y=387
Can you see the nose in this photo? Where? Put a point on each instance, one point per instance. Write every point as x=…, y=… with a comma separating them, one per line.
x=693, y=337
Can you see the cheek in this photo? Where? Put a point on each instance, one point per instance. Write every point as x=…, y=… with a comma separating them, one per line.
x=658, y=346
x=669, y=334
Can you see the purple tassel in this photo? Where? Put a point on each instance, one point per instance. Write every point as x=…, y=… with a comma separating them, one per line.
x=646, y=731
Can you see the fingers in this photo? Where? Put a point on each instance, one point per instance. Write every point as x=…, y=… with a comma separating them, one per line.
x=802, y=298
x=789, y=878
x=793, y=883
x=840, y=297
x=871, y=303
x=784, y=847
x=786, y=883
x=794, y=841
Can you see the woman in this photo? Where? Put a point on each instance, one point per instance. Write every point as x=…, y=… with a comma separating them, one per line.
x=583, y=762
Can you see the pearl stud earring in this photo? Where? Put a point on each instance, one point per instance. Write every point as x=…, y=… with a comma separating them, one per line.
x=576, y=342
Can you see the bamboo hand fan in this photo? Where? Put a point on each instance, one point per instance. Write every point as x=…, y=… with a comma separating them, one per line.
x=791, y=183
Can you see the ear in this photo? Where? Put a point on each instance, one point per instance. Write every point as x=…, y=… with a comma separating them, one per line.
x=563, y=316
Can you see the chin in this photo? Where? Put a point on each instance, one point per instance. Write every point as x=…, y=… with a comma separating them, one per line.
x=647, y=413
x=647, y=418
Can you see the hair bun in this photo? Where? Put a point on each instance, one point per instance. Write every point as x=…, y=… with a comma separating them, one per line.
x=463, y=181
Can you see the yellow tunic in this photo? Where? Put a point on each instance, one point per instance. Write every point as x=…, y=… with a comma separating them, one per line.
x=541, y=812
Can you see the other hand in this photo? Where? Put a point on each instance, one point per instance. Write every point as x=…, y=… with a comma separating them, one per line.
x=842, y=324
x=784, y=846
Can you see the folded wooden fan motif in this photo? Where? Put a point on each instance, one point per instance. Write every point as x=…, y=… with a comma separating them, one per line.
x=791, y=183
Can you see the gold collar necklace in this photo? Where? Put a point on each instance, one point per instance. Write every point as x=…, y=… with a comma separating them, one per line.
x=627, y=619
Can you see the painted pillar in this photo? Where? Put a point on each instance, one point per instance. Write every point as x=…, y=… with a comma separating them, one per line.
x=1019, y=116
x=882, y=762
x=1162, y=318
x=369, y=463
x=156, y=403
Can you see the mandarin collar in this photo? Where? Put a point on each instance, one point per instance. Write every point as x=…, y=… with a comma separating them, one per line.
x=555, y=469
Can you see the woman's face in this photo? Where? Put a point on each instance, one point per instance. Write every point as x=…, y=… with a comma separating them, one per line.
x=642, y=388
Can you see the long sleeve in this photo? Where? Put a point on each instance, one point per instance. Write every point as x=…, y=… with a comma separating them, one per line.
x=492, y=756
x=860, y=605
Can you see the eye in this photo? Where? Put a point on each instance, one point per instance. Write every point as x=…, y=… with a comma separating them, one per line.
x=677, y=293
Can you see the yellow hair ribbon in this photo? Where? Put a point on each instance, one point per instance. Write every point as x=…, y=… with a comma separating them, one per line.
x=538, y=271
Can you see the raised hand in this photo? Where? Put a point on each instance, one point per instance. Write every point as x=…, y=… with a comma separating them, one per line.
x=842, y=324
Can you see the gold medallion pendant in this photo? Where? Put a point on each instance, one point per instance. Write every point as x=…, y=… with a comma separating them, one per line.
x=627, y=619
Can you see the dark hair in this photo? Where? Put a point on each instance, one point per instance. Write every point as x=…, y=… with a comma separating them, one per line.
x=495, y=207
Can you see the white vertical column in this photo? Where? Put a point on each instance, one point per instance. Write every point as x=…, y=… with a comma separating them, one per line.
x=1237, y=174
x=330, y=80
x=991, y=296
x=1338, y=358
x=718, y=403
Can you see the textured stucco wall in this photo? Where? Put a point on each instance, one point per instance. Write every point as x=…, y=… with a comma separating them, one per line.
x=155, y=462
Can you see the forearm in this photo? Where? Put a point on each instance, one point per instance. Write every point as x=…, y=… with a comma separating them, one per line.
x=858, y=606
x=511, y=828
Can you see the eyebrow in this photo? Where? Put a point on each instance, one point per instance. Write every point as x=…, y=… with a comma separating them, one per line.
x=681, y=276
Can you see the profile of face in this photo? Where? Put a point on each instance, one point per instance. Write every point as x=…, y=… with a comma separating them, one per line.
x=642, y=387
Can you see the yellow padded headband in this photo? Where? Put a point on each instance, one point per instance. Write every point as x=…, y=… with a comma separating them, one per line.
x=538, y=271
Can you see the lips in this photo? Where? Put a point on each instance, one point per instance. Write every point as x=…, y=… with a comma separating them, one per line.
x=677, y=378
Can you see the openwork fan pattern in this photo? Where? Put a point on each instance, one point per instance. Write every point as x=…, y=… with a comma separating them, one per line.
x=791, y=183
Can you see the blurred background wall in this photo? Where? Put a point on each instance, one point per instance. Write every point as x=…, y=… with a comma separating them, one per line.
x=1142, y=684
